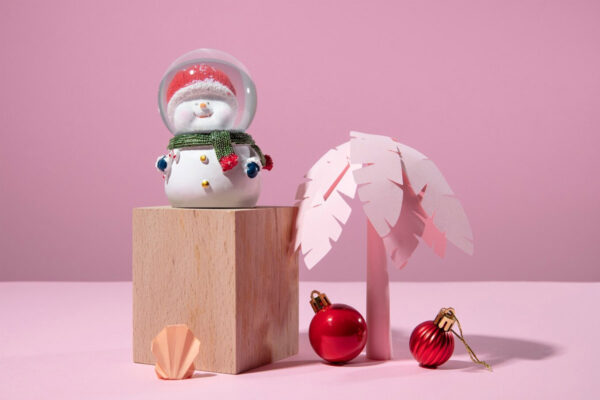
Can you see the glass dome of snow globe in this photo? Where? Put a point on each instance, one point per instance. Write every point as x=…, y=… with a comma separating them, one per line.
x=206, y=90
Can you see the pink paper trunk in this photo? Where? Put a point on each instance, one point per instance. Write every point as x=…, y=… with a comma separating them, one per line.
x=379, y=338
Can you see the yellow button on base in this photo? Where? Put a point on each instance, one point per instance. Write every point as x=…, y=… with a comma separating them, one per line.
x=205, y=183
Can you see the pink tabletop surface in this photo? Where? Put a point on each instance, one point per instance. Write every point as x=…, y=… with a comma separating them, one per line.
x=73, y=341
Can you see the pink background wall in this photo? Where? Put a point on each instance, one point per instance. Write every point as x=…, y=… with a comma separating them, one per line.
x=503, y=95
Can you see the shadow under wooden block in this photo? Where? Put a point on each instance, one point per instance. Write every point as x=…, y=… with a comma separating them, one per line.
x=226, y=273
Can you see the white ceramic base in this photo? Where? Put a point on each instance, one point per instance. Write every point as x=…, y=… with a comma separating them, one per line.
x=233, y=188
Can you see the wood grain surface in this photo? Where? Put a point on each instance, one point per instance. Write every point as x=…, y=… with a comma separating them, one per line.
x=226, y=273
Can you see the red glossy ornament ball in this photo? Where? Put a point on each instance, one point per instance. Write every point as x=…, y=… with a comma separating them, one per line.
x=337, y=333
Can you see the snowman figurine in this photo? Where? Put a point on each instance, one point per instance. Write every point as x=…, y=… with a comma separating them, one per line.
x=212, y=162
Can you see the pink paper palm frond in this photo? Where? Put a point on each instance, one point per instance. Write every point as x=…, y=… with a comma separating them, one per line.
x=379, y=180
x=444, y=212
x=322, y=209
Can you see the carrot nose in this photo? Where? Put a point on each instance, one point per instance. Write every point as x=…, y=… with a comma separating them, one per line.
x=202, y=105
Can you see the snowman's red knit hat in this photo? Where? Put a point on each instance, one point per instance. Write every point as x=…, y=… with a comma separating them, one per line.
x=197, y=81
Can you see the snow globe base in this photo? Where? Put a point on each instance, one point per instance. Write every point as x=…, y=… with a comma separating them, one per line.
x=196, y=179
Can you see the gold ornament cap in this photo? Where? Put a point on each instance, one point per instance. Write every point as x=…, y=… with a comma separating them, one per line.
x=318, y=301
x=445, y=319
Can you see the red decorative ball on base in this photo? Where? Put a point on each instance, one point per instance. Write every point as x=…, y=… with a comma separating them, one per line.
x=337, y=333
x=430, y=345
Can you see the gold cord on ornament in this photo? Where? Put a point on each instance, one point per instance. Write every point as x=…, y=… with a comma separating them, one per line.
x=462, y=339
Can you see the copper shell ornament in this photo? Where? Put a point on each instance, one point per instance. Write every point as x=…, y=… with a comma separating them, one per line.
x=175, y=349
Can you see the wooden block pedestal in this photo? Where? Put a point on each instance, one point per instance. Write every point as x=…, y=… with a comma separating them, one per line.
x=226, y=273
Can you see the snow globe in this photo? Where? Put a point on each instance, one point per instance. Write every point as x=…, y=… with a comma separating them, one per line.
x=207, y=100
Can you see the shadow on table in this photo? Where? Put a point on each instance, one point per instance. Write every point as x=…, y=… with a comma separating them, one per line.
x=497, y=351
x=199, y=375
x=494, y=350
x=307, y=356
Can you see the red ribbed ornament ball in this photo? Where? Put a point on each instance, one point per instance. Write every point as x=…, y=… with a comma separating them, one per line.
x=430, y=345
x=337, y=332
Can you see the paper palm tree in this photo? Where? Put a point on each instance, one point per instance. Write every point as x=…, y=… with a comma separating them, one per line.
x=404, y=196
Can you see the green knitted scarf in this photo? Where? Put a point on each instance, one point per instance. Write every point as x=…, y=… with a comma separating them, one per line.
x=221, y=141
